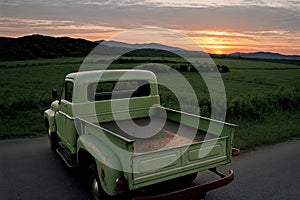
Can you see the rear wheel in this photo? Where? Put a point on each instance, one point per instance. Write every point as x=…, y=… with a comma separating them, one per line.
x=97, y=192
x=190, y=178
x=187, y=179
x=95, y=188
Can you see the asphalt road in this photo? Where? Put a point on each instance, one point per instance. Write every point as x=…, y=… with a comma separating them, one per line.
x=29, y=170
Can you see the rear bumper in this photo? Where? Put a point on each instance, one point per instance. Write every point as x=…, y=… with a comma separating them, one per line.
x=194, y=191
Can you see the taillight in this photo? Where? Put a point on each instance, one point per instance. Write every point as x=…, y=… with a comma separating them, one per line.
x=121, y=184
x=235, y=152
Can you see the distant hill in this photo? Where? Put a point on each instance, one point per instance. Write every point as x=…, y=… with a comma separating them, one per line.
x=264, y=55
x=112, y=43
x=39, y=46
x=153, y=49
x=254, y=55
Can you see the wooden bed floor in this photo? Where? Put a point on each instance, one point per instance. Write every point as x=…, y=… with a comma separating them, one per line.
x=150, y=138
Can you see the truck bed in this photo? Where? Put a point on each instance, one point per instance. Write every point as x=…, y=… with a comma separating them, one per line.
x=165, y=137
x=169, y=153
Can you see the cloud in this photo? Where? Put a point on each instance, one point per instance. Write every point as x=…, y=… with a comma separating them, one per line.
x=222, y=3
x=293, y=4
x=244, y=20
x=276, y=40
x=17, y=26
x=230, y=18
x=244, y=35
x=33, y=22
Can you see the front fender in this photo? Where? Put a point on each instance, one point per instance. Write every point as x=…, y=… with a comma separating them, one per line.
x=108, y=164
x=50, y=116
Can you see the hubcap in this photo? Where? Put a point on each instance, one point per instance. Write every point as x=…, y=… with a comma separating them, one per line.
x=95, y=190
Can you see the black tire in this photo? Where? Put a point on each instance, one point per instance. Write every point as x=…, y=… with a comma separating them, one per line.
x=53, y=140
x=96, y=191
x=190, y=178
x=186, y=180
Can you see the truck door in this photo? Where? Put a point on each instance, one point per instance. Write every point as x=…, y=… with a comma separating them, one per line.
x=64, y=117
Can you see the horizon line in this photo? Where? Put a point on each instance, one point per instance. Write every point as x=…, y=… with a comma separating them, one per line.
x=96, y=41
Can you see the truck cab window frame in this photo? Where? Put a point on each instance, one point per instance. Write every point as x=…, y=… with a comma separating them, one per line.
x=118, y=90
x=67, y=93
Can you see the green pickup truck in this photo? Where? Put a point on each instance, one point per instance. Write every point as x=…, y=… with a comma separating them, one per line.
x=111, y=124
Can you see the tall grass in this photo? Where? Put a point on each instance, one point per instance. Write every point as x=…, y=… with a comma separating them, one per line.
x=267, y=129
x=256, y=106
x=25, y=92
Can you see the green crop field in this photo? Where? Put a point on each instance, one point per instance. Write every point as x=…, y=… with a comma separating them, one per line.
x=263, y=98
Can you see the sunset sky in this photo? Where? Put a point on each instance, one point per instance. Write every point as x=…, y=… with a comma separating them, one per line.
x=219, y=26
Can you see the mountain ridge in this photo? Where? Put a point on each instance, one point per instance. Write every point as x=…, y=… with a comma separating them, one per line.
x=152, y=45
x=264, y=55
x=40, y=46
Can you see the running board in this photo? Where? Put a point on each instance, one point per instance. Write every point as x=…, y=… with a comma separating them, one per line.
x=66, y=155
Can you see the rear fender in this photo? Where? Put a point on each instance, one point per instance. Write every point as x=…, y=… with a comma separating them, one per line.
x=106, y=160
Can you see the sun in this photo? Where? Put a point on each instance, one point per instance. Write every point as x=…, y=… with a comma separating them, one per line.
x=219, y=52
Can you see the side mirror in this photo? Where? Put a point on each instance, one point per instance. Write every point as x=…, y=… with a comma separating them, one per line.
x=54, y=94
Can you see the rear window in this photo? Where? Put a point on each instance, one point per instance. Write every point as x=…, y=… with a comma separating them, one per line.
x=117, y=90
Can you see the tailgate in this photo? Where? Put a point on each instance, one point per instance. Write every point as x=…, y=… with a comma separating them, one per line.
x=158, y=166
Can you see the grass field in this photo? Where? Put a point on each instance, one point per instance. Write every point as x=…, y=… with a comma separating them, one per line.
x=263, y=97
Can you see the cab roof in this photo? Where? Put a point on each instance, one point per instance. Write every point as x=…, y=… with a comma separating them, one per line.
x=107, y=75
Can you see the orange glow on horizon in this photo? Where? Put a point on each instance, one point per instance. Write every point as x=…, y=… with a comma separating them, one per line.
x=221, y=42
x=215, y=42
x=217, y=49
x=219, y=52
